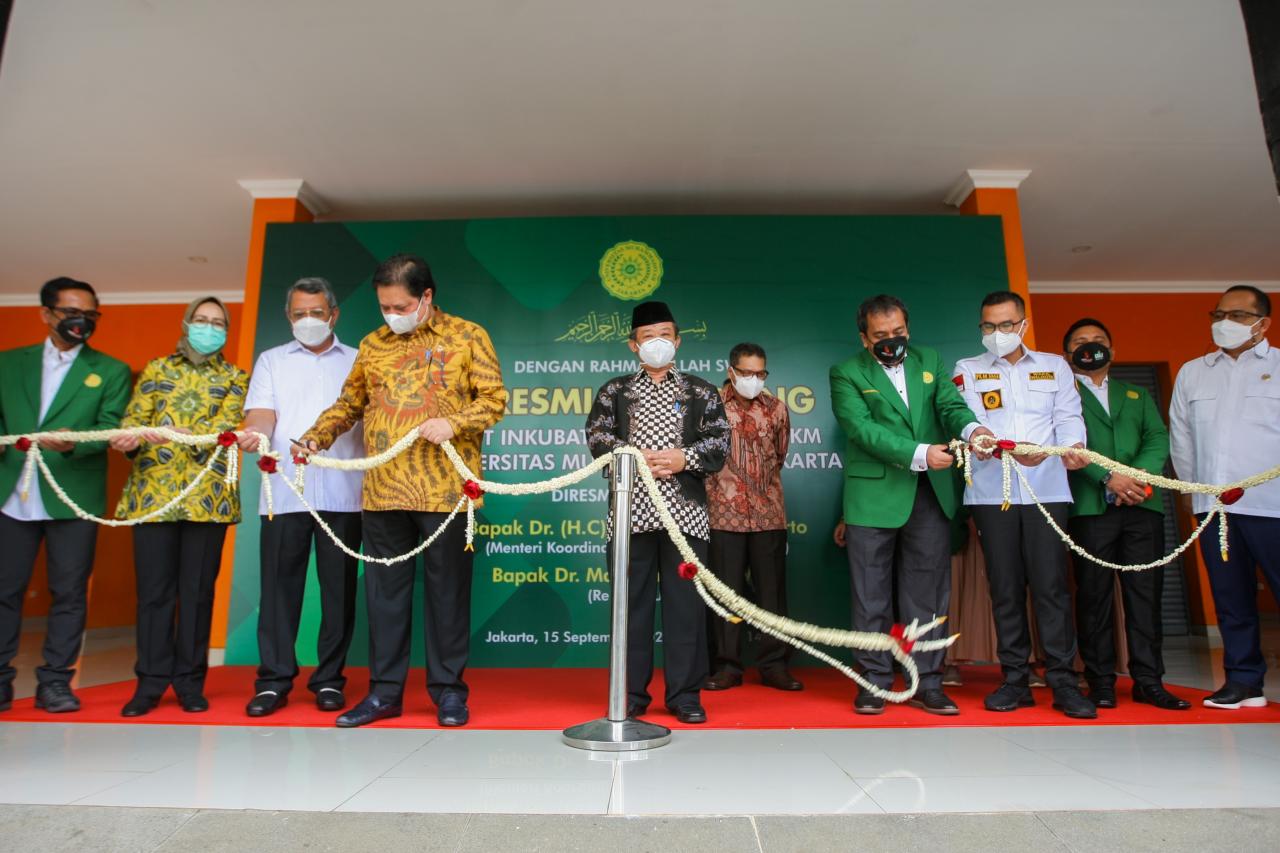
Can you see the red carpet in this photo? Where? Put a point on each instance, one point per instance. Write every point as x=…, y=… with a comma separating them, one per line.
x=556, y=698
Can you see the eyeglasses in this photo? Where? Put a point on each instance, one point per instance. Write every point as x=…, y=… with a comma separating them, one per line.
x=70, y=313
x=207, y=321
x=1235, y=316
x=1006, y=326
x=748, y=374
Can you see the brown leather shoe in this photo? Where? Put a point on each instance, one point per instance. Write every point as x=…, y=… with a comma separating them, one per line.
x=723, y=680
x=780, y=679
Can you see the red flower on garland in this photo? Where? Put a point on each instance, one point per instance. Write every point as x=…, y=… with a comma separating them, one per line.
x=1230, y=496
x=997, y=453
x=899, y=633
x=226, y=439
x=299, y=459
x=688, y=571
x=23, y=444
x=267, y=464
x=472, y=490
x=1006, y=444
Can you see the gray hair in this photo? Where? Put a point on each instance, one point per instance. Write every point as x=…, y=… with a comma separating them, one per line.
x=312, y=285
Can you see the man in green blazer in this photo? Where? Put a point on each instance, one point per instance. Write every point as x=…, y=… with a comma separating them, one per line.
x=1118, y=519
x=898, y=410
x=60, y=384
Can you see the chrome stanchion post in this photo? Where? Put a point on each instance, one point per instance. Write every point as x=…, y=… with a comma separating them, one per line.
x=616, y=733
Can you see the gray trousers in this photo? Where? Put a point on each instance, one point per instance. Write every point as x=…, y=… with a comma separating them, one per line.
x=914, y=560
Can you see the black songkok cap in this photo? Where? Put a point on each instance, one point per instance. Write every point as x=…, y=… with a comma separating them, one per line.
x=648, y=313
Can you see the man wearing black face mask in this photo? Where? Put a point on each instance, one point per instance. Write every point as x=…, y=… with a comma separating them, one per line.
x=1118, y=519
x=898, y=410
x=61, y=384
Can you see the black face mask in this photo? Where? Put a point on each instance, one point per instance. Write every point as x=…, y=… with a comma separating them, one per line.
x=75, y=329
x=1091, y=356
x=890, y=351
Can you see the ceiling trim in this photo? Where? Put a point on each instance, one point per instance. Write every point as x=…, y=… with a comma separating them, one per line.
x=131, y=297
x=286, y=188
x=994, y=179
x=1145, y=286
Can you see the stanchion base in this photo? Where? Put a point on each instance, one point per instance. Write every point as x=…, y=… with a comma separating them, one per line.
x=605, y=735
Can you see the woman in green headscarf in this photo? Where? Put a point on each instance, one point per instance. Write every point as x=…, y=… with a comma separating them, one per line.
x=176, y=557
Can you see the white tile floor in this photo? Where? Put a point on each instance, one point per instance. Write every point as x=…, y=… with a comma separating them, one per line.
x=700, y=772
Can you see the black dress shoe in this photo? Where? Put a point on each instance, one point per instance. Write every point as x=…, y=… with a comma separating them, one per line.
x=370, y=710
x=780, y=679
x=1009, y=697
x=330, y=699
x=1234, y=695
x=266, y=703
x=194, y=703
x=1102, y=696
x=867, y=703
x=1069, y=700
x=635, y=712
x=452, y=710
x=56, y=698
x=691, y=713
x=140, y=705
x=723, y=680
x=1155, y=694
x=935, y=702
x=6, y=697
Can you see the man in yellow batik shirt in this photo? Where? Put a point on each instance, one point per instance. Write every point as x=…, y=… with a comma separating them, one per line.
x=439, y=374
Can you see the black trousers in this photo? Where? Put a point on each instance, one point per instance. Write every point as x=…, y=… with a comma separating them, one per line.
x=285, y=552
x=1023, y=552
x=1126, y=535
x=1253, y=544
x=176, y=565
x=764, y=555
x=918, y=556
x=446, y=602
x=69, y=546
x=654, y=567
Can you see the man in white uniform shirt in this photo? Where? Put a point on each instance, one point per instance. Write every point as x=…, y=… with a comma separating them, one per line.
x=291, y=385
x=1225, y=426
x=1030, y=397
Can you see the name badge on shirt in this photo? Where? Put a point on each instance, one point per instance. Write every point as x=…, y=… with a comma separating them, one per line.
x=978, y=377
x=992, y=400
x=1044, y=375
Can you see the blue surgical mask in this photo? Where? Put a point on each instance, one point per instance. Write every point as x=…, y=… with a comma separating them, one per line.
x=206, y=339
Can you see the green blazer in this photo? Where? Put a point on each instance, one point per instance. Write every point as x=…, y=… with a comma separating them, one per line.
x=92, y=396
x=1133, y=434
x=883, y=434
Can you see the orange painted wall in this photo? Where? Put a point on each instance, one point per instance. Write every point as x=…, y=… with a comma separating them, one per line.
x=134, y=334
x=1164, y=329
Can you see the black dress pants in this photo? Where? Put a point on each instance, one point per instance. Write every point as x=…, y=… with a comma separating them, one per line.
x=1023, y=552
x=285, y=553
x=1127, y=535
x=655, y=565
x=176, y=564
x=69, y=546
x=764, y=554
x=446, y=602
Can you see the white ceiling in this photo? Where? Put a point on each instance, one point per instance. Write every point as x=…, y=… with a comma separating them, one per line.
x=125, y=124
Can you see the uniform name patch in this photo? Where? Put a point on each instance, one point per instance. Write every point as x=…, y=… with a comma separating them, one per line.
x=991, y=400
x=1045, y=375
x=981, y=376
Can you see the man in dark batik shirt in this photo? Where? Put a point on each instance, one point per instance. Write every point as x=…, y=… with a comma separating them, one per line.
x=679, y=422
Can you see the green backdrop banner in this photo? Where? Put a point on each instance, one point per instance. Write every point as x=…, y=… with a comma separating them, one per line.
x=556, y=297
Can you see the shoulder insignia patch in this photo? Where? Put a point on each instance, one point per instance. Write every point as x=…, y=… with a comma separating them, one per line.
x=958, y=380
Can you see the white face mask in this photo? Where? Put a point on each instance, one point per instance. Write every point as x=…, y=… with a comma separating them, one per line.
x=1228, y=334
x=748, y=386
x=1001, y=344
x=403, y=324
x=311, y=331
x=657, y=352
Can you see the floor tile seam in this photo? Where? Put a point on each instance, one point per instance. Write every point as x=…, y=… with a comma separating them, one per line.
x=176, y=829
x=755, y=830
x=1039, y=816
x=99, y=791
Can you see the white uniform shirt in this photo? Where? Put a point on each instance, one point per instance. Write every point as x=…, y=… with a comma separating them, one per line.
x=1101, y=392
x=898, y=377
x=1224, y=425
x=298, y=385
x=1034, y=401
x=54, y=366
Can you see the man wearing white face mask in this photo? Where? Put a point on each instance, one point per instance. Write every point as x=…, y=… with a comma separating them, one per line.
x=749, y=519
x=1224, y=426
x=291, y=385
x=1028, y=397
x=678, y=421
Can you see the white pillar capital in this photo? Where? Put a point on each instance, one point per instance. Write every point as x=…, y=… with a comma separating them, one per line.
x=972, y=179
x=286, y=188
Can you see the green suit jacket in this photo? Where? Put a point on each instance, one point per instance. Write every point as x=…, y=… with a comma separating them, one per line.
x=92, y=396
x=1133, y=434
x=883, y=434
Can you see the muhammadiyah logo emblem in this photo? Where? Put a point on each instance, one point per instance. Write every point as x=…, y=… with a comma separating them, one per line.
x=93, y=380
x=991, y=400
x=631, y=270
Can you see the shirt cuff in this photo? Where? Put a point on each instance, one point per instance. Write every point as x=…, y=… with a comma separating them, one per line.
x=920, y=462
x=967, y=432
x=691, y=461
